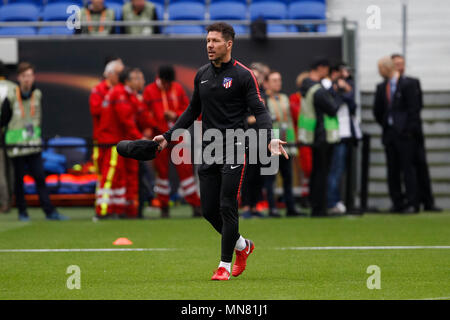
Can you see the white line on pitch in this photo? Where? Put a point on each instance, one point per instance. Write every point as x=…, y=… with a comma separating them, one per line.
x=87, y=250
x=366, y=248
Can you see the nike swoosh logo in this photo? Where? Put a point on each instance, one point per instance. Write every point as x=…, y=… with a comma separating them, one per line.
x=248, y=251
x=235, y=166
x=204, y=81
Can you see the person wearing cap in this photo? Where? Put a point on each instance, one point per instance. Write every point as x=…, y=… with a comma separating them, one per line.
x=167, y=100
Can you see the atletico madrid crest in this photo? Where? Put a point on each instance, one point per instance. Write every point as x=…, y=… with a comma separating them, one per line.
x=227, y=82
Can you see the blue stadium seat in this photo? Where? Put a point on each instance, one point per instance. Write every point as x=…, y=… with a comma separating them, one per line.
x=228, y=11
x=268, y=10
x=186, y=11
x=161, y=2
x=282, y=1
x=238, y=1
x=55, y=31
x=320, y=1
x=178, y=1
x=121, y=2
x=116, y=7
x=311, y=10
x=56, y=11
x=277, y=28
x=36, y=2
x=159, y=11
x=77, y=2
x=19, y=12
x=17, y=31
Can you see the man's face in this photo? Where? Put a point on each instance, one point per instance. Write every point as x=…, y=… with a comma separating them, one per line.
x=216, y=46
x=26, y=79
x=141, y=81
x=114, y=76
x=97, y=3
x=133, y=82
x=138, y=4
x=323, y=71
x=399, y=64
x=274, y=82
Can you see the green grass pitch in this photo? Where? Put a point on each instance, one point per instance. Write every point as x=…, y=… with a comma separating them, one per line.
x=185, y=271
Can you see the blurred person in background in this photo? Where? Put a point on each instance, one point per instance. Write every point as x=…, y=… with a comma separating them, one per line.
x=6, y=87
x=425, y=193
x=139, y=10
x=117, y=122
x=283, y=129
x=343, y=95
x=96, y=11
x=167, y=100
x=304, y=159
x=396, y=108
x=253, y=183
x=21, y=116
x=318, y=126
x=98, y=102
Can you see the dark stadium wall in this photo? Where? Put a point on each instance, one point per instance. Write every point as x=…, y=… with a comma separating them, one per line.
x=66, y=69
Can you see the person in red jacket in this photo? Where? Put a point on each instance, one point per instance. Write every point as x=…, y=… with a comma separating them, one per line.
x=305, y=153
x=167, y=100
x=118, y=121
x=96, y=98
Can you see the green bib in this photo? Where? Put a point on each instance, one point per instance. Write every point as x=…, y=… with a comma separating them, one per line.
x=307, y=120
x=24, y=128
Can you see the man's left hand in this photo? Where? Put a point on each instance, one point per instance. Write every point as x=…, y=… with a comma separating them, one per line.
x=276, y=148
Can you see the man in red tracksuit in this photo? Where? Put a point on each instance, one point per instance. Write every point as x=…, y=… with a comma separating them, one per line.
x=167, y=100
x=118, y=122
x=96, y=101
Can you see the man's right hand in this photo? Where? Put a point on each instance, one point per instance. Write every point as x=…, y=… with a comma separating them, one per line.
x=161, y=140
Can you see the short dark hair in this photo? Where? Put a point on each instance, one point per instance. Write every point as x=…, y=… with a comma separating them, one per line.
x=125, y=75
x=24, y=66
x=226, y=30
x=321, y=62
x=166, y=73
x=397, y=55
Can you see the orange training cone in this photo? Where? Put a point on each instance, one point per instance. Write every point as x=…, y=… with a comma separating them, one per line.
x=122, y=242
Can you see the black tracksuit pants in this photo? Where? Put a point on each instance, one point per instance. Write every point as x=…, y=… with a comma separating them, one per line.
x=321, y=161
x=220, y=185
x=34, y=165
x=425, y=193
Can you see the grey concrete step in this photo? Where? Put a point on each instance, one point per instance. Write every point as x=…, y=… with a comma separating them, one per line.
x=436, y=128
x=441, y=114
x=443, y=172
x=433, y=158
x=380, y=187
x=431, y=143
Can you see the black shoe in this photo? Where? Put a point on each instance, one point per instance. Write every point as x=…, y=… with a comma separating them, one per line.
x=165, y=212
x=274, y=214
x=411, y=209
x=196, y=212
x=295, y=213
x=432, y=209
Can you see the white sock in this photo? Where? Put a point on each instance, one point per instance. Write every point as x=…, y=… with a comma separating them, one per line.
x=226, y=265
x=241, y=244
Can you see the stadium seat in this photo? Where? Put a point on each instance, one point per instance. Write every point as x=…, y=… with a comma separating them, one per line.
x=17, y=31
x=19, y=12
x=116, y=7
x=178, y=1
x=161, y=2
x=268, y=10
x=277, y=28
x=56, y=11
x=320, y=1
x=238, y=1
x=159, y=11
x=77, y=2
x=311, y=10
x=36, y=2
x=186, y=11
x=228, y=11
x=282, y=1
x=55, y=31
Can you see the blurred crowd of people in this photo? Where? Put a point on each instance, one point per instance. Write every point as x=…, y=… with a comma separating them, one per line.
x=318, y=121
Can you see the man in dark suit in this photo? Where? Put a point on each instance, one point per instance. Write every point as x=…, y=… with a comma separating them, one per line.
x=396, y=108
x=425, y=193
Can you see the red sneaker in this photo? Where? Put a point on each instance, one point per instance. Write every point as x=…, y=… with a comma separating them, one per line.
x=221, y=274
x=241, y=258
